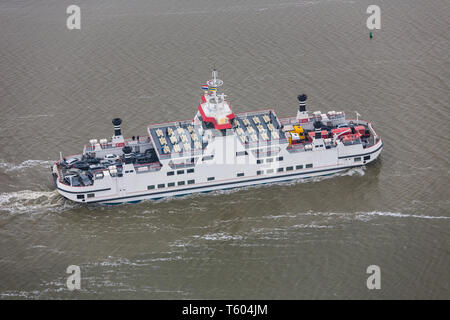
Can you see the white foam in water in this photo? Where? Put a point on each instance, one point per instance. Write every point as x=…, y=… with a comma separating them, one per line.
x=365, y=216
x=28, y=201
x=310, y=226
x=354, y=171
x=8, y=167
x=219, y=236
x=398, y=215
x=373, y=214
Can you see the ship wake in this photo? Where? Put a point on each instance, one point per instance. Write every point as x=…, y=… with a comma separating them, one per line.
x=8, y=167
x=28, y=201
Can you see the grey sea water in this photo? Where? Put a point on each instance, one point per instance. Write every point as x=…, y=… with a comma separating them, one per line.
x=144, y=61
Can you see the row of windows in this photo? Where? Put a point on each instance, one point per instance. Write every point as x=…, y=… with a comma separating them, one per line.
x=181, y=183
x=358, y=159
x=269, y=160
x=89, y=195
x=240, y=174
x=172, y=173
x=170, y=184
x=298, y=167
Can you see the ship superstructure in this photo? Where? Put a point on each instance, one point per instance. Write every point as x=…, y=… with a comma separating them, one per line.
x=218, y=149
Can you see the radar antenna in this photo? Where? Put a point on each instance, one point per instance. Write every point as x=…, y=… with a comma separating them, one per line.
x=214, y=83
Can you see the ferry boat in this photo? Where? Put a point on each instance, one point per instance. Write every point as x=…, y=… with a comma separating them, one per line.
x=218, y=149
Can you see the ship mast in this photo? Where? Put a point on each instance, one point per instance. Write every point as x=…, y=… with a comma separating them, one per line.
x=213, y=84
x=214, y=109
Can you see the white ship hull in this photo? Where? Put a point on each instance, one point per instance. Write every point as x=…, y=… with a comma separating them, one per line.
x=214, y=151
x=114, y=196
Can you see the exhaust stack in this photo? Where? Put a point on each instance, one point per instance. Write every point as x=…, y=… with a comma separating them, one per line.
x=127, y=154
x=302, y=114
x=302, y=102
x=117, y=138
x=117, y=122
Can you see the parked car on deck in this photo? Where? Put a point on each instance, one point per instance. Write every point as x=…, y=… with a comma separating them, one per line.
x=81, y=165
x=112, y=157
x=71, y=161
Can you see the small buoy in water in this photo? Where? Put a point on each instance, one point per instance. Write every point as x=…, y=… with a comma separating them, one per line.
x=370, y=35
